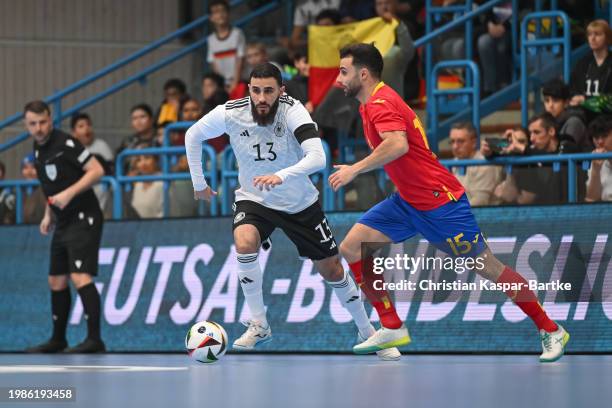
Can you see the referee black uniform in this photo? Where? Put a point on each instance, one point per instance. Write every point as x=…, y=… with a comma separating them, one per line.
x=60, y=163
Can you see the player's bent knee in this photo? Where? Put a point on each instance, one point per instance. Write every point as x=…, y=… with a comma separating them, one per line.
x=246, y=239
x=349, y=250
x=80, y=279
x=58, y=282
x=330, y=269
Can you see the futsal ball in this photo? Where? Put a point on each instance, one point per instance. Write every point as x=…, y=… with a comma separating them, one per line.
x=206, y=342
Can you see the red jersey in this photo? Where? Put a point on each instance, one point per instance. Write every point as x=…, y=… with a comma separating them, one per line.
x=418, y=175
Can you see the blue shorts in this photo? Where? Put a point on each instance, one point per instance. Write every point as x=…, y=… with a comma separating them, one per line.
x=451, y=228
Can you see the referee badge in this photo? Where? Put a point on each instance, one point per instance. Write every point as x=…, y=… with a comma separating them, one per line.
x=239, y=217
x=51, y=171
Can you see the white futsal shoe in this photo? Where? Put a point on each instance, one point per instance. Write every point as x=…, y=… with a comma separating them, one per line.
x=553, y=344
x=254, y=335
x=383, y=339
x=390, y=354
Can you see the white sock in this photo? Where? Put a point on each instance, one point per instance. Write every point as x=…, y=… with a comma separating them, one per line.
x=350, y=297
x=251, y=281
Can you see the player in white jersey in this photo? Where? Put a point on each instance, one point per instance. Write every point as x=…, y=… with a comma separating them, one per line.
x=277, y=147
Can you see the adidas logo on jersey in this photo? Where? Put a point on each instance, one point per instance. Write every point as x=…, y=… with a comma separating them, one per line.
x=245, y=133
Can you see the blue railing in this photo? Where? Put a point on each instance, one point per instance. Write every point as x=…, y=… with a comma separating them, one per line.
x=557, y=160
x=471, y=89
x=18, y=186
x=56, y=99
x=564, y=41
x=210, y=171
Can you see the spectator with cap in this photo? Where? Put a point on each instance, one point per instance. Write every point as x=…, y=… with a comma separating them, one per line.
x=35, y=202
x=599, y=183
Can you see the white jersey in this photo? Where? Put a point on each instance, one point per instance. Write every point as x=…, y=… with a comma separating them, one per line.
x=263, y=150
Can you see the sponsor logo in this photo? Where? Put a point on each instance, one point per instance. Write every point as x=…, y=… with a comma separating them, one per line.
x=239, y=217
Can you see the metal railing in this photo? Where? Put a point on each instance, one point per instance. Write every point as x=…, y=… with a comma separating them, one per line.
x=564, y=41
x=210, y=172
x=56, y=99
x=18, y=187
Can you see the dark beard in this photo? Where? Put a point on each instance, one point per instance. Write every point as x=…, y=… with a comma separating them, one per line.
x=267, y=118
x=352, y=91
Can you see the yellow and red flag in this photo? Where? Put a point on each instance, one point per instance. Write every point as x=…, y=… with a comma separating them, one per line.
x=325, y=42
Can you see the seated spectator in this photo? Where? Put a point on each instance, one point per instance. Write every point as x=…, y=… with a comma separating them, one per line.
x=34, y=203
x=213, y=92
x=148, y=196
x=175, y=94
x=396, y=60
x=297, y=87
x=226, y=48
x=494, y=49
x=141, y=117
x=570, y=121
x=536, y=184
x=479, y=181
x=7, y=201
x=599, y=183
x=306, y=14
x=592, y=75
x=82, y=130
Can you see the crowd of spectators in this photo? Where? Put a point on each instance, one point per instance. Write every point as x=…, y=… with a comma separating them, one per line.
x=575, y=118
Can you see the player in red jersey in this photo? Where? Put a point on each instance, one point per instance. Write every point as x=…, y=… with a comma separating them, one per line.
x=429, y=201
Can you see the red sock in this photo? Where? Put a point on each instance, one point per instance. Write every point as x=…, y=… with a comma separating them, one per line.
x=527, y=300
x=379, y=299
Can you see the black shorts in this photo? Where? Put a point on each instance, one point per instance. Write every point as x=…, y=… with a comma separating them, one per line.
x=308, y=229
x=76, y=243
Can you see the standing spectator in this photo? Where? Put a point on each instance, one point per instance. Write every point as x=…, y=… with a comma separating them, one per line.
x=7, y=201
x=356, y=10
x=34, y=204
x=148, y=196
x=599, y=183
x=175, y=94
x=297, y=87
x=226, y=47
x=570, y=120
x=592, y=75
x=67, y=171
x=396, y=60
x=479, y=181
x=141, y=117
x=305, y=14
x=214, y=95
x=494, y=48
x=82, y=130
x=213, y=92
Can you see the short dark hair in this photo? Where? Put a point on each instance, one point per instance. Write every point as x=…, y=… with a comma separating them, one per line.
x=465, y=126
x=143, y=107
x=216, y=78
x=266, y=70
x=556, y=89
x=332, y=14
x=79, y=116
x=600, y=126
x=300, y=53
x=36, y=107
x=214, y=3
x=365, y=56
x=2, y=169
x=548, y=120
x=176, y=83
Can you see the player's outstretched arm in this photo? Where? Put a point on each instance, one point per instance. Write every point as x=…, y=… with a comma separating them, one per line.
x=393, y=146
x=210, y=126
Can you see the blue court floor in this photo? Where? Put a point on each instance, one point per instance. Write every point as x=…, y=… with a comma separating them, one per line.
x=275, y=381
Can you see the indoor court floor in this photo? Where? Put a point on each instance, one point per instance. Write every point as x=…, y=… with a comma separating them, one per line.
x=319, y=380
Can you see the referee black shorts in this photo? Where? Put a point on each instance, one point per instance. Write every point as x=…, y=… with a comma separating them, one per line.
x=76, y=243
x=308, y=229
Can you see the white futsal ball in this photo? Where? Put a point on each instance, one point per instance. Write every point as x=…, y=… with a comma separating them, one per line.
x=206, y=342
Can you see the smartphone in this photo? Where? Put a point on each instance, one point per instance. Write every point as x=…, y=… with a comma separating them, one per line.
x=497, y=144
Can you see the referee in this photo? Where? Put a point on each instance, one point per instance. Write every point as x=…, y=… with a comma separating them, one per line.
x=67, y=171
